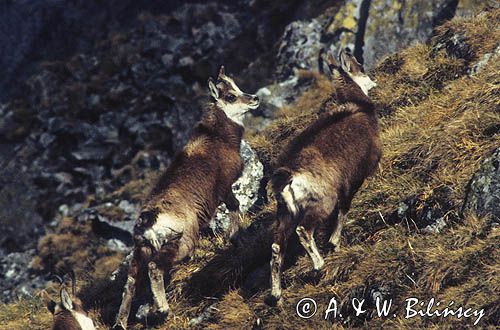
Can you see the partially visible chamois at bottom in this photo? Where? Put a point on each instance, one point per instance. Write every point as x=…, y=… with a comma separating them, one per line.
x=68, y=312
x=322, y=168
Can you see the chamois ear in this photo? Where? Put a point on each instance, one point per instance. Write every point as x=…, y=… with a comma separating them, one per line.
x=344, y=60
x=51, y=304
x=221, y=72
x=348, y=61
x=66, y=301
x=333, y=65
x=213, y=88
x=73, y=282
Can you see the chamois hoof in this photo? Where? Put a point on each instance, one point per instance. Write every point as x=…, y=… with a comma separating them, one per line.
x=275, y=248
x=313, y=277
x=318, y=265
x=273, y=301
x=151, y=314
x=157, y=317
x=143, y=312
x=119, y=326
x=331, y=247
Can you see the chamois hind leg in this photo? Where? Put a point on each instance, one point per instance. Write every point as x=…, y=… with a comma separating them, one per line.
x=338, y=222
x=285, y=227
x=158, y=288
x=337, y=229
x=305, y=231
x=128, y=293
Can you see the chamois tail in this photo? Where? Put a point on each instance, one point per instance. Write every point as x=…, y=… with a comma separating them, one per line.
x=280, y=178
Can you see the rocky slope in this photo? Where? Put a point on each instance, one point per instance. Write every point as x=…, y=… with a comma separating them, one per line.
x=90, y=133
x=83, y=126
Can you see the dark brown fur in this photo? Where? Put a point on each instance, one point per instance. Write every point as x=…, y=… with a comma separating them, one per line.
x=200, y=178
x=186, y=197
x=64, y=320
x=329, y=160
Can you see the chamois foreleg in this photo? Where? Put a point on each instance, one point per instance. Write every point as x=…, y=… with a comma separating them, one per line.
x=128, y=293
x=158, y=288
x=305, y=232
x=285, y=227
x=231, y=202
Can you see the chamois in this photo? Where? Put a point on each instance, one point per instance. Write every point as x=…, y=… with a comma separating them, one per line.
x=187, y=194
x=68, y=313
x=321, y=169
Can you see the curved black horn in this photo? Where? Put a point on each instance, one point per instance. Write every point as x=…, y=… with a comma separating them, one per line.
x=73, y=282
x=58, y=279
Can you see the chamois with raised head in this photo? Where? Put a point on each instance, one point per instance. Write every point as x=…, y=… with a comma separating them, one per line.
x=321, y=169
x=187, y=194
x=68, y=312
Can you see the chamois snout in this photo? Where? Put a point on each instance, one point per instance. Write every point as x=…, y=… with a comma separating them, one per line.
x=252, y=100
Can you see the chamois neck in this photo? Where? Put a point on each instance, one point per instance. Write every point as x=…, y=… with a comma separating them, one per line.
x=347, y=91
x=215, y=122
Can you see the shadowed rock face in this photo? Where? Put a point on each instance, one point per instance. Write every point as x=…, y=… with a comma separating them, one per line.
x=95, y=94
x=34, y=30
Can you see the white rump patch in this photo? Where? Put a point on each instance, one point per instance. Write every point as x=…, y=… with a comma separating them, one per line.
x=165, y=227
x=297, y=193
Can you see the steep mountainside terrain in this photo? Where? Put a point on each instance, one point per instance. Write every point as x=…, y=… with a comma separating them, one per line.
x=82, y=146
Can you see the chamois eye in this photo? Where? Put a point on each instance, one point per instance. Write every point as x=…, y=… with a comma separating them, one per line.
x=230, y=98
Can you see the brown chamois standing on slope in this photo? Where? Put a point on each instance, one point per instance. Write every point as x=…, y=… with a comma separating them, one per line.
x=322, y=168
x=68, y=313
x=187, y=194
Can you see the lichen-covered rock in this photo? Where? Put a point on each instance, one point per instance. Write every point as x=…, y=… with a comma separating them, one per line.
x=299, y=48
x=343, y=28
x=380, y=27
x=279, y=94
x=245, y=189
x=17, y=279
x=483, y=193
x=20, y=223
x=393, y=25
x=481, y=64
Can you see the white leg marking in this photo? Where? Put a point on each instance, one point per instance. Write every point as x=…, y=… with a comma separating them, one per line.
x=309, y=244
x=158, y=287
x=276, y=271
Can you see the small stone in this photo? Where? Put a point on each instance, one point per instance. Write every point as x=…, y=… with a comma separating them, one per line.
x=167, y=60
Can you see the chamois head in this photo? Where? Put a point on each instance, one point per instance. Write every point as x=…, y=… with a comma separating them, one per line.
x=351, y=68
x=230, y=98
x=68, y=312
